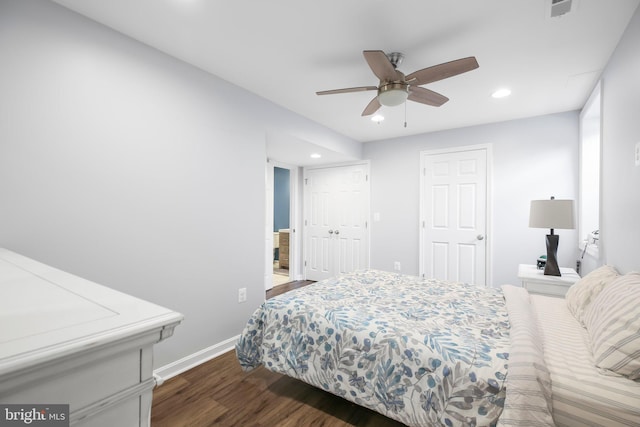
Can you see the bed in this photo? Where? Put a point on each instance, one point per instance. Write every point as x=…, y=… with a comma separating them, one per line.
x=430, y=353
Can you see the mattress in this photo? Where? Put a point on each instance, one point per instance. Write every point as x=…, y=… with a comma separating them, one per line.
x=582, y=394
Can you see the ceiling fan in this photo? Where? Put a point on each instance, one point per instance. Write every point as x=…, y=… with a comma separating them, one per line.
x=395, y=88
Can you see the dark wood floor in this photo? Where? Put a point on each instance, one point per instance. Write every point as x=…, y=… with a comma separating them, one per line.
x=219, y=393
x=286, y=287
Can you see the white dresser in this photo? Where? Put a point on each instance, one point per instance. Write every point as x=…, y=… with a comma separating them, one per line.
x=66, y=340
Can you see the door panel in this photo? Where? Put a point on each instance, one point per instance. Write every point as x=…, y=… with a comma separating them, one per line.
x=467, y=200
x=440, y=259
x=453, y=215
x=440, y=207
x=466, y=262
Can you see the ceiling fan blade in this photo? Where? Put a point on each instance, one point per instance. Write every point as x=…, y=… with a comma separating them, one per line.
x=347, y=90
x=381, y=66
x=373, y=106
x=442, y=71
x=426, y=96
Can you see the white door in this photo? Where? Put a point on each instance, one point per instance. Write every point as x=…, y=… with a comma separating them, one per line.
x=268, y=227
x=454, y=215
x=336, y=220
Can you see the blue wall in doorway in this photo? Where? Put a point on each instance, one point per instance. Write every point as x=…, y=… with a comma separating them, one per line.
x=281, y=198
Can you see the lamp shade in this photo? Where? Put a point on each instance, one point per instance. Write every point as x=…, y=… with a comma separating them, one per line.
x=551, y=214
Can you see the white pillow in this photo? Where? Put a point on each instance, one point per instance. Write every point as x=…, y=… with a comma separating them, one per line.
x=585, y=290
x=613, y=325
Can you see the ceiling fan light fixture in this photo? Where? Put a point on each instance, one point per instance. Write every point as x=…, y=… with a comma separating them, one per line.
x=393, y=94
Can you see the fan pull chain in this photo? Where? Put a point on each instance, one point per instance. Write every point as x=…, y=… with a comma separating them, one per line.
x=405, y=114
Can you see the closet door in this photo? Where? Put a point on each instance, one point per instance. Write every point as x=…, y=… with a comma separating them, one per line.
x=336, y=220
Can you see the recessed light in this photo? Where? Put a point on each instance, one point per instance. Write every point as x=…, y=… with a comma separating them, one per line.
x=315, y=156
x=377, y=118
x=501, y=93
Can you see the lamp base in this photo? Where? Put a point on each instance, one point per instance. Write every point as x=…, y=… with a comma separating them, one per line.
x=551, y=267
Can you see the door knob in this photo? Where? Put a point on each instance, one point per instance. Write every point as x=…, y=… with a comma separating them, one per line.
x=337, y=231
x=480, y=237
x=330, y=231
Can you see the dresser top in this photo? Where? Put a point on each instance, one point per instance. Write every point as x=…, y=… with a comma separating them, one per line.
x=46, y=313
x=531, y=272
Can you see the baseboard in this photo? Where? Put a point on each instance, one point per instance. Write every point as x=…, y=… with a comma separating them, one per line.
x=191, y=361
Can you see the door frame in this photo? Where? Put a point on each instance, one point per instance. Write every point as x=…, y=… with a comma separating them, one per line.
x=294, y=221
x=305, y=208
x=488, y=206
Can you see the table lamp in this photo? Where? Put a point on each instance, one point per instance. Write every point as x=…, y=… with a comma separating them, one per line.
x=551, y=214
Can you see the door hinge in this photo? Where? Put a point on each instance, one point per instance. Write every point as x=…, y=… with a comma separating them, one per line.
x=305, y=262
x=366, y=224
x=306, y=181
x=366, y=177
x=305, y=222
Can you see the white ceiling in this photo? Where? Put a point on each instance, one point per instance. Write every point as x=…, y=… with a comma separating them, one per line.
x=286, y=50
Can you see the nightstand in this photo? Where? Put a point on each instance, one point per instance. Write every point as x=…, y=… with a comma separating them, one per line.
x=534, y=280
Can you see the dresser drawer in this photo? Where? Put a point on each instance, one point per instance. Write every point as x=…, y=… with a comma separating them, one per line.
x=549, y=289
x=79, y=381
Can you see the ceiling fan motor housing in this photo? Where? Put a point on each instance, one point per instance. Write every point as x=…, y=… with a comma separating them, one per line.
x=395, y=58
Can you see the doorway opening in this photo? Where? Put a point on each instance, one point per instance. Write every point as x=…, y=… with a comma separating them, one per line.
x=282, y=246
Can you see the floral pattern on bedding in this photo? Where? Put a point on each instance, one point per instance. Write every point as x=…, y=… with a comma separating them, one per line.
x=423, y=352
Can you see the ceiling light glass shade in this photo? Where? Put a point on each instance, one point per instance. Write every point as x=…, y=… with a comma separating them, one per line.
x=393, y=94
x=551, y=214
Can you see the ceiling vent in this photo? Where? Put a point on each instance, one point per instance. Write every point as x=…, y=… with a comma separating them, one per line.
x=560, y=7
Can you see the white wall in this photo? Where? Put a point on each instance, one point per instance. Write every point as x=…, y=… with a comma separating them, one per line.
x=620, y=198
x=130, y=168
x=533, y=158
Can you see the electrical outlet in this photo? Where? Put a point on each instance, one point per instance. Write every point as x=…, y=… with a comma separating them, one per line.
x=396, y=266
x=242, y=295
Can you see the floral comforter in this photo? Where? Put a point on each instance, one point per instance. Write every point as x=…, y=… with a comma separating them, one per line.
x=423, y=352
